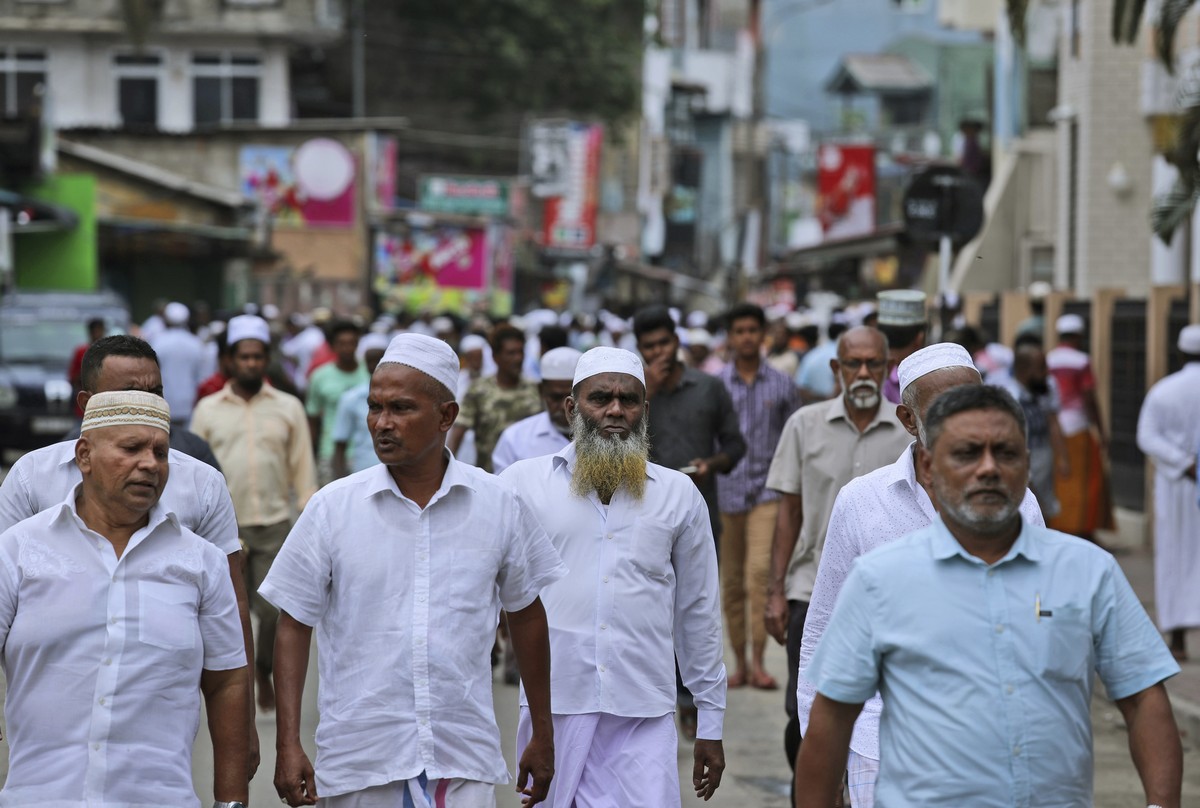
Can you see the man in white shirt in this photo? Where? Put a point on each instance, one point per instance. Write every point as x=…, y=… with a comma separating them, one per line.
x=114, y=618
x=548, y=431
x=195, y=492
x=182, y=358
x=403, y=569
x=641, y=590
x=1168, y=431
x=871, y=511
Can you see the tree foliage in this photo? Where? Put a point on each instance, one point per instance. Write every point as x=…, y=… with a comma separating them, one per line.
x=494, y=56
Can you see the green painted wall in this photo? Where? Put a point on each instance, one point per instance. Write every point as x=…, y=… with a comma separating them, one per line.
x=961, y=72
x=65, y=259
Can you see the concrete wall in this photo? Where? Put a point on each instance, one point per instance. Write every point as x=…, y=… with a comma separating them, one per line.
x=1102, y=88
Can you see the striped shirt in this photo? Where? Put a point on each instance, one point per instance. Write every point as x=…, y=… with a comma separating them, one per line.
x=762, y=409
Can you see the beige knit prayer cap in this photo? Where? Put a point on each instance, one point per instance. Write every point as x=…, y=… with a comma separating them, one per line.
x=123, y=407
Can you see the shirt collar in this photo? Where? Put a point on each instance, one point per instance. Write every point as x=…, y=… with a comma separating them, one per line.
x=565, y=458
x=380, y=479
x=729, y=372
x=904, y=470
x=67, y=510
x=837, y=409
x=944, y=545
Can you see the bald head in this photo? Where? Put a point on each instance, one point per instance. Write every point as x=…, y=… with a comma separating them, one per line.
x=862, y=338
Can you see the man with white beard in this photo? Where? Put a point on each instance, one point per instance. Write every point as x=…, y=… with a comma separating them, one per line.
x=823, y=447
x=641, y=590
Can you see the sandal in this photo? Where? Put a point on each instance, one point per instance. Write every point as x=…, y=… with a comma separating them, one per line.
x=736, y=680
x=761, y=680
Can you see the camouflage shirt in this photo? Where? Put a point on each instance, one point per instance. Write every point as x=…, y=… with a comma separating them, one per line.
x=489, y=410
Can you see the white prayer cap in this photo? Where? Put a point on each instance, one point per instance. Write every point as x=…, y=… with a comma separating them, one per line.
x=697, y=319
x=699, y=336
x=901, y=307
x=270, y=311
x=472, y=342
x=1000, y=354
x=558, y=364
x=441, y=325
x=372, y=341
x=839, y=318
x=1069, y=324
x=126, y=407
x=430, y=355
x=176, y=314
x=776, y=311
x=609, y=360
x=796, y=320
x=1039, y=290
x=676, y=314
x=933, y=357
x=1189, y=340
x=247, y=326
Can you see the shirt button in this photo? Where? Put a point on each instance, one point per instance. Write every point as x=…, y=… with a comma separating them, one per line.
x=108, y=661
x=603, y=627
x=1009, y=689
x=1016, y=751
x=421, y=598
x=610, y=535
x=96, y=746
x=102, y=702
x=605, y=579
x=114, y=579
x=999, y=628
x=112, y=620
x=602, y=668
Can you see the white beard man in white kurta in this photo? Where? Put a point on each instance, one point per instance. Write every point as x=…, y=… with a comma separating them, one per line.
x=1169, y=433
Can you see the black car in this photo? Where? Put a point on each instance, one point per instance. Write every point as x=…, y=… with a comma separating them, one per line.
x=39, y=332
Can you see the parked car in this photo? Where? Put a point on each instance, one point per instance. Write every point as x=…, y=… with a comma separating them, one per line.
x=39, y=332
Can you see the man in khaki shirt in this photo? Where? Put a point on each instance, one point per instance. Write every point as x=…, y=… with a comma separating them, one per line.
x=261, y=437
x=823, y=447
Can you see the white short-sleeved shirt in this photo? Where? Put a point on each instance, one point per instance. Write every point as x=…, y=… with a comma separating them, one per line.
x=535, y=436
x=642, y=590
x=405, y=601
x=870, y=511
x=195, y=492
x=103, y=658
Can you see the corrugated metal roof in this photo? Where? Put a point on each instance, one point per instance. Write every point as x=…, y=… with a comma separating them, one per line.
x=882, y=73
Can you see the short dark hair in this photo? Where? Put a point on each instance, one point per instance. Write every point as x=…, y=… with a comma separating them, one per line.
x=505, y=333
x=744, y=310
x=341, y=327
x=1028, y=338
x=652, y=318
x=116, y=345
x=902, y=336
x=835, y=330
x=94, y=323
x=967, y=398
x=551, y=337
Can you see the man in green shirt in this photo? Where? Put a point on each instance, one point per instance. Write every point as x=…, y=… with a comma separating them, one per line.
x=326, y=386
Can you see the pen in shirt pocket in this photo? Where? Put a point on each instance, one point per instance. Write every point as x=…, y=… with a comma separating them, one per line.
x=1038, y=611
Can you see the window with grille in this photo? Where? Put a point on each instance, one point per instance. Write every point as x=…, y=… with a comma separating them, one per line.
x=22, y=73
x=137, y=89
x=225, y=88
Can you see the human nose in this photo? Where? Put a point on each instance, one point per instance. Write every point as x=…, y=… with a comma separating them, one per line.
x=987, y=465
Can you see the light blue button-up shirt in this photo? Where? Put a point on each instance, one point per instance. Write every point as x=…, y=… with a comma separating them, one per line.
x=986, y=671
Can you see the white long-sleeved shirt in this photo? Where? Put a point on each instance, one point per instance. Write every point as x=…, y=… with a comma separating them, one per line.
x=103, y=658
x=641, y=588
x=405, y=601
x=195, y=492
x=870, y=511
x=534, y=436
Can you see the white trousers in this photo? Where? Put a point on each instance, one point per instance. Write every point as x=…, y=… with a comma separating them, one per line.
x=609, y=761
x=418, y=793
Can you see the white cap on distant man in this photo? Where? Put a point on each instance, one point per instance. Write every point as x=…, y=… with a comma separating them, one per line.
x=247, y=326
x=609, y=360
x=1069, y=324
x=472, y=342
x=176, y=314
x=1189, y=340
x=558, y=364
x=432, y=356
x=371, y=341
x=901, y=307
x=938, y=356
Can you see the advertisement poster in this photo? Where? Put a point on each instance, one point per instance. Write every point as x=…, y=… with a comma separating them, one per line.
x=846, y=190
x=312, y=184
x=464, y=195
x=569, y=220
x=383, y=150
x=442, y=268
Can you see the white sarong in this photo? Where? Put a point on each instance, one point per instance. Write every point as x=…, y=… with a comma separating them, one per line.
x=418, y=793
x=609, y=761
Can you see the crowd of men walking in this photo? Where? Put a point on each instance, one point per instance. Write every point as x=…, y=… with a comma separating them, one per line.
x=915, y=519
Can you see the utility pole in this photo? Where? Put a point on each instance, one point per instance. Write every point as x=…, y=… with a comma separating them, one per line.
x=358, y=58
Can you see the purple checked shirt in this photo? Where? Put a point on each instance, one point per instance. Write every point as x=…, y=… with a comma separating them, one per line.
x=762, y=409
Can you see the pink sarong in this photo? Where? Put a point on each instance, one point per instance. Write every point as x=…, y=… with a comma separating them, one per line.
x=609, y=761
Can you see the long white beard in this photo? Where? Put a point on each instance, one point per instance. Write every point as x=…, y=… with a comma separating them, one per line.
x=604, y=463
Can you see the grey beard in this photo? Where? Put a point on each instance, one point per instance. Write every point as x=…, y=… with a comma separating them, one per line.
x=604, y=464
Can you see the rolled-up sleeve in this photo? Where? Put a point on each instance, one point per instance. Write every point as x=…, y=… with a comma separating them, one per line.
x=301, y=576
x=846, y=664
x=530, y=561
x=697, y=626
x=220, y=623
x=1130, y=653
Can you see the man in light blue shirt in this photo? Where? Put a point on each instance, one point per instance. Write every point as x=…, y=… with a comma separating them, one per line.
x=982, y=633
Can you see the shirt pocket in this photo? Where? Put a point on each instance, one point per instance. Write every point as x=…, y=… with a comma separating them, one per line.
x=167, y=615
x=651, y=550
x=1066, y=643
x=471, y=584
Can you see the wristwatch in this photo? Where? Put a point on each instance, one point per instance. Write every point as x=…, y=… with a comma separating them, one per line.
x=234, y=804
